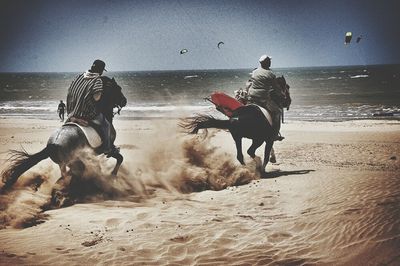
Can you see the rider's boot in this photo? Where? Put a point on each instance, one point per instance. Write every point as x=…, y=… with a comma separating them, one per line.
x=279, y=137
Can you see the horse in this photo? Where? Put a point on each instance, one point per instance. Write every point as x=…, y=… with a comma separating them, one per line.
x=247, y=121
x=63, y=146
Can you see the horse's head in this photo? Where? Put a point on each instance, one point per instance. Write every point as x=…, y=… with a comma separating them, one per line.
x=281, y=93
x=113, y=93
x=112, y=98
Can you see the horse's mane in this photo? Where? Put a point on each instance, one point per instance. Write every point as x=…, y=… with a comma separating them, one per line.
x=281, y=94
x=281, y=81
x=108, y=82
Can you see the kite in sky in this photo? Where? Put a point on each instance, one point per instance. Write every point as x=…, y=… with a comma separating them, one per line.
x=348, y=37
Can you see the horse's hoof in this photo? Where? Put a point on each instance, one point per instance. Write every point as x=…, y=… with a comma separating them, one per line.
x=263, y=174
x=60, y=200
x=241, y=162
x=252, y=155
x=57, y=201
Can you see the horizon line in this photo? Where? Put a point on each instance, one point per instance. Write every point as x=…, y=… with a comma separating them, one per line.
x=205, y=69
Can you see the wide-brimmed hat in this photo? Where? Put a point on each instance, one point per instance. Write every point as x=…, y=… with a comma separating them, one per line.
x=98, y=66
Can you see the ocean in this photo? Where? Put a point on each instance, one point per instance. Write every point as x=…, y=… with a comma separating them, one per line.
x=318, y=93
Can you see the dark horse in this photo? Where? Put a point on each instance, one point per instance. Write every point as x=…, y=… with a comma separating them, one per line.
x=63, y=145
x=246, y=122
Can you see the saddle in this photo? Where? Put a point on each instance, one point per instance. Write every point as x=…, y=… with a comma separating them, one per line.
x=92, y=135
x=226, y=105
x=265, y=112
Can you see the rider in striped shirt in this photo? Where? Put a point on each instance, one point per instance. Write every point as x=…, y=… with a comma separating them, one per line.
x=84, y=94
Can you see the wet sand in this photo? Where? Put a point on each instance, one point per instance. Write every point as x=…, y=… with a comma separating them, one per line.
x=333, y=197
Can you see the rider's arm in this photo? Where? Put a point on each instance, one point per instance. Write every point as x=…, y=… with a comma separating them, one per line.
x=97, y=96
x=97, y=89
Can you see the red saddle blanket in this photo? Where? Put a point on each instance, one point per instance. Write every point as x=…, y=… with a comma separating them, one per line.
x=225, y=103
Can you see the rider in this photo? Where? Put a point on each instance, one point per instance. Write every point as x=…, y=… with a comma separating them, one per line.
x=262, y=82
x=84, y=95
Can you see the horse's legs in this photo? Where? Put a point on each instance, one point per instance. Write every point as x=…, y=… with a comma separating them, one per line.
x=65, y=178
x=59, y=193
x=63, y=193
x=254, y=146
x=272, y=158
x=119, y=159
x=267, y=151
x=238, y=142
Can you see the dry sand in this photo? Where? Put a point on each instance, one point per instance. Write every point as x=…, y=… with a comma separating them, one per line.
x=332, y=198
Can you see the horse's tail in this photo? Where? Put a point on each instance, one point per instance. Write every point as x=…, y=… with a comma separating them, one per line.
x=192, y=125
x=21, y=161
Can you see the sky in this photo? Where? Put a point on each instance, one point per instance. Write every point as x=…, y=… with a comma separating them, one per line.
x=141, y=35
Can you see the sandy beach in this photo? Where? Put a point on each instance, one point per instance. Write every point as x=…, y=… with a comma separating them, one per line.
x=332, y=198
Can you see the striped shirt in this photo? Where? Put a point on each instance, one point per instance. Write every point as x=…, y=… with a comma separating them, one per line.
x=80, y=98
